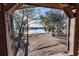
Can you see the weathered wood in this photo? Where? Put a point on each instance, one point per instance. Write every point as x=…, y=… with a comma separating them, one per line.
x=8, y=6
x=0, y=7
x=69, y=12
x=3, y=43
x=74, y=35
x=76, y=31
x=71, y=38
x=8, y=35
x=13, y=8
x=51, y=5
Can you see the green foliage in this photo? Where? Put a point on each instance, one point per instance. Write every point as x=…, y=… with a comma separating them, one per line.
x=53, y=20
x=21, y=16
x=52, y=16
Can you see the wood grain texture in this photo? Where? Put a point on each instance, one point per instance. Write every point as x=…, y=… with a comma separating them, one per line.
x=3, y=43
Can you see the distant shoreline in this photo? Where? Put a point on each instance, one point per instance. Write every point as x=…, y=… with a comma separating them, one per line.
x=36, y=33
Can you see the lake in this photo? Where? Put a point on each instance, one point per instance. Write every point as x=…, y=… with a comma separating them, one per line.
x=36, y=31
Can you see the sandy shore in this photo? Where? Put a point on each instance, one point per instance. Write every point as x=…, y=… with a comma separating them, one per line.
x=45, y=45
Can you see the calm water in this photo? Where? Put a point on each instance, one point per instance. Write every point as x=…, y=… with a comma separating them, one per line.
x=37, y=31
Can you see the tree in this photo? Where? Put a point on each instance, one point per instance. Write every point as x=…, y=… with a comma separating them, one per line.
x=21, y=18
x=53, y=20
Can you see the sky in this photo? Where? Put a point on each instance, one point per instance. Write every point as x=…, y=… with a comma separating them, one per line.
x=37, y=24
x=42, y=10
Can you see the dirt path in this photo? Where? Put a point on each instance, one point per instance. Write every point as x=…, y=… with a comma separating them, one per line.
x=45, y=45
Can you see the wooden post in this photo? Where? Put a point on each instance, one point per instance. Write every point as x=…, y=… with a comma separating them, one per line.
x=3, y=42
x=5, y=39
x=74, y=33
x=72, y=36
x=8, y=35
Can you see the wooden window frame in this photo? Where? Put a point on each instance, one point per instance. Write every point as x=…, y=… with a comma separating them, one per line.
x=68, y=11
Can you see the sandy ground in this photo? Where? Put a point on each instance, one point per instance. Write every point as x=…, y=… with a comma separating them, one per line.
x=45, y=45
